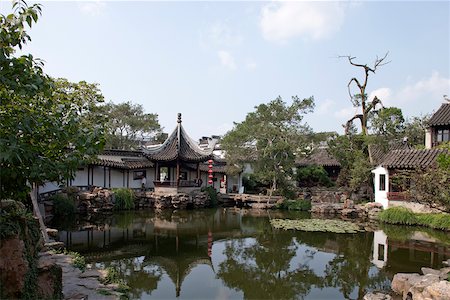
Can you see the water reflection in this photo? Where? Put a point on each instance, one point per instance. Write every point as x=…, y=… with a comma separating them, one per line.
x=237, y=254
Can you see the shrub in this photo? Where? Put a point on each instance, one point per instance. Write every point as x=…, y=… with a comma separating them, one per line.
x=398, y=215
x=302, y=205
x=62, y=205
x=313, y=176
x=212, y=195
x=404, y=216
x=124, y=199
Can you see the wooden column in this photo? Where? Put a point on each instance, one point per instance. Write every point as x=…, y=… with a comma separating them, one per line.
x=198, y=170
x=178, y=173
x=104, y=176
x=109, y=176
x=157, y=172
x=128, y=178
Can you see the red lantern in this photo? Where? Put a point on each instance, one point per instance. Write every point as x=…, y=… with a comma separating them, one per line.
x=210, y=161
x=210, y=176
x=209, y=171
x=210, y=181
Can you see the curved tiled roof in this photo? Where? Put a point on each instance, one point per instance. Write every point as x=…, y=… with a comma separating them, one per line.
x=319, y=157
x=411, y=159
x=122, y=163
x=179, y=146
x=441, y=116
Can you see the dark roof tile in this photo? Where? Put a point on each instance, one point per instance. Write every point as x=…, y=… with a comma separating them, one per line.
x=411, y=159
x=441, y=116
x=319, y=157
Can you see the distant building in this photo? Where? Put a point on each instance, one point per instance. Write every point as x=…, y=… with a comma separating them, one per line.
x=178, y=164
x=386, y=191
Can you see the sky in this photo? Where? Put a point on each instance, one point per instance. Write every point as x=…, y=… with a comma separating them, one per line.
x=215, y=61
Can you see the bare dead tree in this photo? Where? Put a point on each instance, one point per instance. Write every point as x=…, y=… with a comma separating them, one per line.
x=359, y=99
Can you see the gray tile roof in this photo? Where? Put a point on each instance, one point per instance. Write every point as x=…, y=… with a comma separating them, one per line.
x=441, y=116
x=179, y=146
x=411, y=159
x=319, y=157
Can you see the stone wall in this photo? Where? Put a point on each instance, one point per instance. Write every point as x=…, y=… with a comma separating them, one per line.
x=324, y=195
x=102, y=200
x=22, y=273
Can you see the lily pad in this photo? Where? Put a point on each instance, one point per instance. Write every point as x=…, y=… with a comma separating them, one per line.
x=335, y=226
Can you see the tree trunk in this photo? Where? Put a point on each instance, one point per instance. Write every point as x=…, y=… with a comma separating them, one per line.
x=37, y=213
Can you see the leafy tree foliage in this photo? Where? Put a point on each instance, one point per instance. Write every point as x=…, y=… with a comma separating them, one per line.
x=313, y=176
x=388, y=122
x=414, y=130
x=129, y=127
x=44, y=132
x=269, y=138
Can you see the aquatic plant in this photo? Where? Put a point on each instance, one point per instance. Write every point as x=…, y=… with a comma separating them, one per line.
x=404, y=216
x=124, y=199
x=302, y=205
x=335, y=226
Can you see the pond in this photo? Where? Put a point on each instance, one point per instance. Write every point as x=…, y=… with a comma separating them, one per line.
x=232, y=253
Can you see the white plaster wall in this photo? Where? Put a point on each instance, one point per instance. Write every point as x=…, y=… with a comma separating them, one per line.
x=48, y=187
x=81, y=178
x=98, y=176
x=428, y=139
x=117, y=178
x=379, y=238
x=381, y=196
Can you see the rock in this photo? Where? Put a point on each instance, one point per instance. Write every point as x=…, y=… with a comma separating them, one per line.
x=94, y=273
x=13, y=267
x=349, y=204
x=419, y=286
x=439, y=290
x=402, y=282
x=52, y=232
x=377, y=296
x=49, y=279
x=426, y=271
x=53, y=246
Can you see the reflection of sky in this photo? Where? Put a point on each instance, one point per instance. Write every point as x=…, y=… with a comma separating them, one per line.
x=311, y=257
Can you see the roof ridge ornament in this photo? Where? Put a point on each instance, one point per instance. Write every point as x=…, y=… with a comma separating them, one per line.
x=179, y=118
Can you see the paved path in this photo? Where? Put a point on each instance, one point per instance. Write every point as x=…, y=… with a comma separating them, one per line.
x=80, y=285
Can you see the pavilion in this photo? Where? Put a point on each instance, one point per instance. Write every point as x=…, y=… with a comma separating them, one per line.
x=178, y=162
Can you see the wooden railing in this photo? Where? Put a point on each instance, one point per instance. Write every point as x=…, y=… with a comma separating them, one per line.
x=397, y=196
x=181, y=183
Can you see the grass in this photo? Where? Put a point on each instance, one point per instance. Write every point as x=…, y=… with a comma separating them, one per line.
x=301, y=205
x=404, y=216
x=123, y=199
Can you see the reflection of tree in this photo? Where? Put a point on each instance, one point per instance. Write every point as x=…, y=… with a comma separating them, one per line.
x=141, y=277
x=350, y=268
x=263, y=269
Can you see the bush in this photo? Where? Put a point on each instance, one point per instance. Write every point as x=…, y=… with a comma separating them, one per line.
x=313, y=176
x=404, y=216
x=212, y=195
x=124, y=199
x=398, y=215
x=62, y=205
x=302, y=205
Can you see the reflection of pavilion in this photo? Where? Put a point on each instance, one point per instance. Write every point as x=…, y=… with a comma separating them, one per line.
x=418, y=248
x=177, y=243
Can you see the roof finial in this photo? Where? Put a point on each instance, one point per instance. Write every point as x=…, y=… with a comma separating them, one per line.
x=179, y=118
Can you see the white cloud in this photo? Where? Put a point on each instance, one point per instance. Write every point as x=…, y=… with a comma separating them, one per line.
x=251, y=65
x=345, y=113
x=430, y=88
x=426, y=90
x=220, y=35
x=281, y=21
x=384, y=94
x=92, y=8
x=325, y=106
x=226, y=59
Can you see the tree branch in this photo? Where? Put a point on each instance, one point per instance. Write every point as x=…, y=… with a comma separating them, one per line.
x=349, y=122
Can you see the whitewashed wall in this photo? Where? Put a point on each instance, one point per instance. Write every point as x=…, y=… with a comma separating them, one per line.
x=381, y=196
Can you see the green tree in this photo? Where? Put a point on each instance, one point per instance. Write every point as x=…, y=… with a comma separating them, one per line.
x=42, y=132
x=414, y=130
x=388, y=122
x=128, y=126
x=269, y=138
